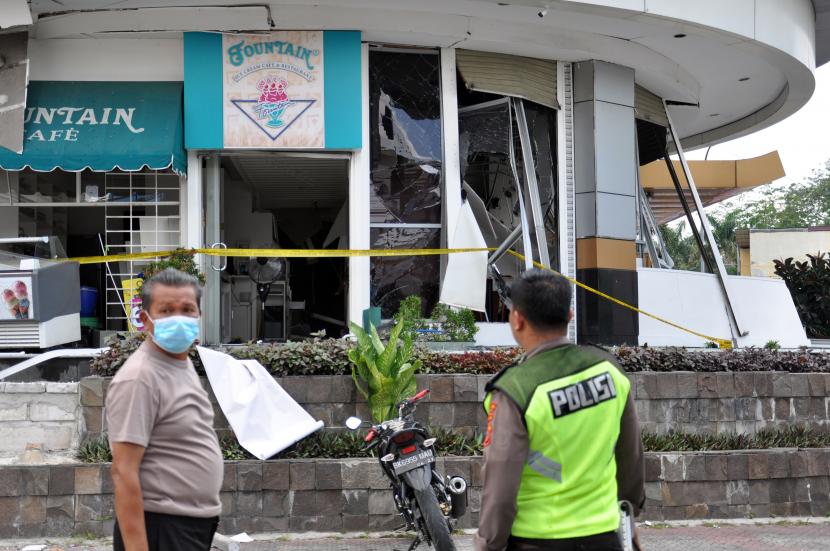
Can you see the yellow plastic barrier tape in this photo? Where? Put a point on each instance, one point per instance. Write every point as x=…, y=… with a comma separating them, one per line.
x=276, y=253
x=347, y=253
x=722, y=343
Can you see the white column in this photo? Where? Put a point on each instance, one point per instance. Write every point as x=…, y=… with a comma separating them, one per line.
x=359, y=199
x=193, y=217
x=565, y=180
x=211, y=301
x=449, y=134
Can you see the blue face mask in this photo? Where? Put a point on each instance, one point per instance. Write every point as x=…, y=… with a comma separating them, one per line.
x=175, y=334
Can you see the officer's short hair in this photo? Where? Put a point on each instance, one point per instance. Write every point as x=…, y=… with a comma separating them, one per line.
x=544, y=298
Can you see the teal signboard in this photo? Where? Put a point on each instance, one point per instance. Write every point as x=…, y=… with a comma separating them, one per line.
x=281, y=90
x=101, y=126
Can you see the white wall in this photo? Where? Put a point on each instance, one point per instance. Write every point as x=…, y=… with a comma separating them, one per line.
x=764, y=247
x=763, y=306
x=38, y=413
x=107, y=59
x=494, y=334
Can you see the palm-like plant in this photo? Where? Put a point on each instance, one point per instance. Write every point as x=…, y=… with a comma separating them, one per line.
x=384, y=374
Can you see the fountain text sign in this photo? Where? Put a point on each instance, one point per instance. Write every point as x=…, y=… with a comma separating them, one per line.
x=273, y=90
x=280, y=90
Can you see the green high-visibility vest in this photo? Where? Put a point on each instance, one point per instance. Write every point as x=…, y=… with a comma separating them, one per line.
x=572, y=401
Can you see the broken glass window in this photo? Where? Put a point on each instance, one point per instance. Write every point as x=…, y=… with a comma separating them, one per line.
x=406, y=145
x=406, y=174
x=395, y=278
x=541, y=122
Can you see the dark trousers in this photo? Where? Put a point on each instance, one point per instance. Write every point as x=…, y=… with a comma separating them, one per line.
x=173, y=533
x=609, y=541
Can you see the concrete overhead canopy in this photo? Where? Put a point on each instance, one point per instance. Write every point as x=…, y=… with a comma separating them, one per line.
x=730, y=68
x=822, y=9
x=715, y=181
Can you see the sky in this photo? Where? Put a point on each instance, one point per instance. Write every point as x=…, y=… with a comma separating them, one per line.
x=801, y=139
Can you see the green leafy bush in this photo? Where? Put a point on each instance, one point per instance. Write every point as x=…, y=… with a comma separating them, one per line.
x=330, y=357
x=107, y=363
x=409, y=315
x=335, y=444
x=484, y=362
x=95, y=451
x=745, y=359
x=809, y=285
x=789, y=437
x=326, y=444
x=180, y=259
x=386, y=371
x=459, y=325
x=311, y=357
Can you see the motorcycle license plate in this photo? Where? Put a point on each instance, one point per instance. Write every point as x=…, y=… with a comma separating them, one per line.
x=410, y=462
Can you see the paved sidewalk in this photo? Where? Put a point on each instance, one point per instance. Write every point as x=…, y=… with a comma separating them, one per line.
x=710, y=536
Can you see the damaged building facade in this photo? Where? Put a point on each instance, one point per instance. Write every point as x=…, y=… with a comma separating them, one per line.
x=390, y=125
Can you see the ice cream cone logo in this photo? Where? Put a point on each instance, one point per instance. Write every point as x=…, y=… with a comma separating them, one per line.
x=12, y=303
x=273, y=101
x=22, y=295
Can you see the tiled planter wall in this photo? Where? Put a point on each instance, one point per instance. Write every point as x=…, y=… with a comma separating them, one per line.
x=352, y=495
x=693, y=402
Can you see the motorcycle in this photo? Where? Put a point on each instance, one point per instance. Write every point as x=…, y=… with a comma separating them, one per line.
x=428, y=503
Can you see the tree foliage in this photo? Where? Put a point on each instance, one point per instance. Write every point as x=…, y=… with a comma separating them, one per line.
x=809, y=285
x=799, y=205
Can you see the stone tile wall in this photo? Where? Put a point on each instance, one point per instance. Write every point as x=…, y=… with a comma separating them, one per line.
x=353, y=495
x=747, y=484
x=711, y=403
x=38, y=413
x=693, y=402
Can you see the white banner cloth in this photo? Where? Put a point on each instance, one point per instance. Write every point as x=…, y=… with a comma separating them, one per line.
x=465, y=279
x=265, y=419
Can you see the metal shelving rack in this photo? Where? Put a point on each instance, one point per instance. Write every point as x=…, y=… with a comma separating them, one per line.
x=141, y=214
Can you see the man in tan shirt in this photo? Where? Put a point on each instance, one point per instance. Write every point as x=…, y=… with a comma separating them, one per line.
x=166, y=462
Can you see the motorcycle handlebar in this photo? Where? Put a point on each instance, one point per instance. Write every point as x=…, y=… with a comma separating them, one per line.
x=419, y=396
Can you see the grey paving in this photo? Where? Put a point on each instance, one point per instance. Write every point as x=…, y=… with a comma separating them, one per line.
x=709, y=537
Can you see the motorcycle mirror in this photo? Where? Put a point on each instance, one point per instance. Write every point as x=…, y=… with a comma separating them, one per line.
x=353, y=423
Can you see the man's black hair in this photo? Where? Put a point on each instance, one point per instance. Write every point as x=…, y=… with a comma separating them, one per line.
x=543, y=297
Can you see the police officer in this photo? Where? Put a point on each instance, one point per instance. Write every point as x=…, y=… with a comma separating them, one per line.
x=563, y=443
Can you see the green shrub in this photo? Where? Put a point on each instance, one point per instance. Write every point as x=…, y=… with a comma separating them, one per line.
x=409, y=314
x=311, y=357
x=330, y=357
x=107, y=363
x=325, y=444
x=745, y=359
x=180, y=259
x=387, y=371
x=459, y=325
x=95, y=451
x=808, y=283
x=336, y=444
x=772, y=345
x=788, y=437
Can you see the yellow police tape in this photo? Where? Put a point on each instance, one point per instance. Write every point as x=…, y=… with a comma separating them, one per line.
x=348, y=253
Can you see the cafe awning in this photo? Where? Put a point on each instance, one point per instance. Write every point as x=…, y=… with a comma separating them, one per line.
x=101, y=126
